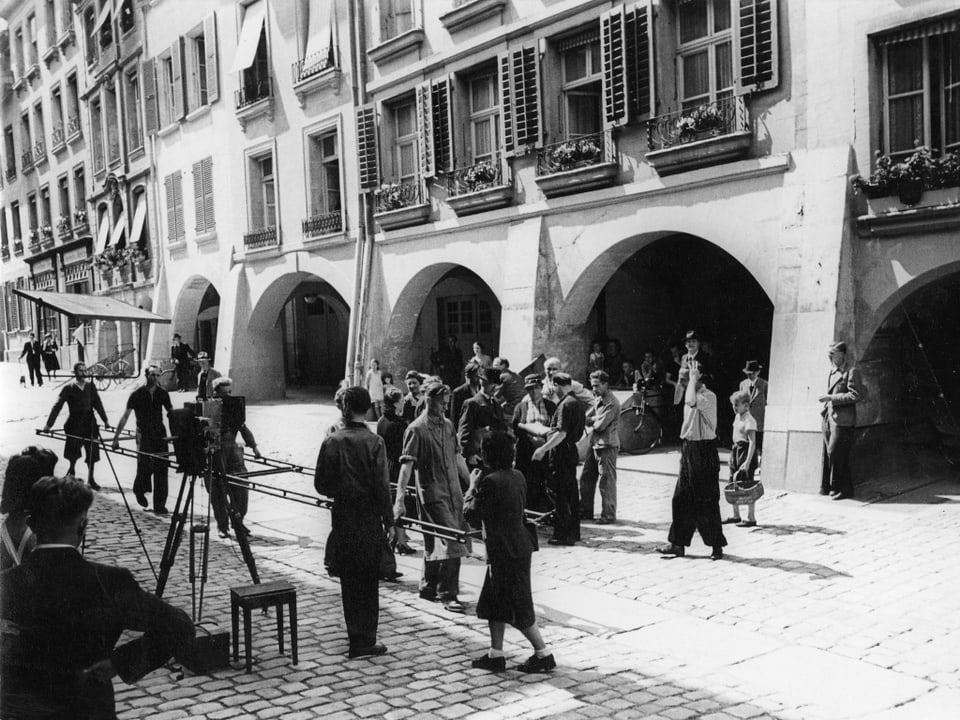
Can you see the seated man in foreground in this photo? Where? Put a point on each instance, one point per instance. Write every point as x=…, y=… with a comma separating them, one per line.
x=62, y=616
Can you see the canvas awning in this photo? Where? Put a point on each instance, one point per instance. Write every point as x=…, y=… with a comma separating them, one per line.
x=249, y=36
x=139, y=216
x=90, y=307
x=103, y=234
x=102, y=18
x=118, y=230
x=319, y=37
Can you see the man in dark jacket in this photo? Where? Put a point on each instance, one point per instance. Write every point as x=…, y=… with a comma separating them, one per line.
x=481, y=415
x=352, y=471
x=462, y=393
x=839, y=414
x=33, y=352
x=182, y=356
x=62, y=616
x=531, y=425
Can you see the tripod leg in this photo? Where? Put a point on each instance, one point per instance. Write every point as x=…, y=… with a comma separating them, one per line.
x=175, y=532
x=239, y=531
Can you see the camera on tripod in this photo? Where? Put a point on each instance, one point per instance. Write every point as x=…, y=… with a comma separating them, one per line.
x=198, y=427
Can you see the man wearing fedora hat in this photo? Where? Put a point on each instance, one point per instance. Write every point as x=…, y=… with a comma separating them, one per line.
x=206, y=377
x=839, y=413
x=756, y=387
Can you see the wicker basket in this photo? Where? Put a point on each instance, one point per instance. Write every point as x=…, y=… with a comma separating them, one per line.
x=743, y=493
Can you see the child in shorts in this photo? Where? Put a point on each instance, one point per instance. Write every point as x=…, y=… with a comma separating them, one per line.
x=743, y=454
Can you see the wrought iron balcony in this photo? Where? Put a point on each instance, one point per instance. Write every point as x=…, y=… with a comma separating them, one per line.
x=253, y=92
x=323, y=224
x=39, y=152
x=580, y=152
x=59, y=137
x=17, y=246
x=73, y=126
x=258, y=239
x=5, y=252
x=710, y=120
x=396, y=196
x=64, y=229
x=26, y=160
x=473, y=178
x=312, y=65
x=11, y=173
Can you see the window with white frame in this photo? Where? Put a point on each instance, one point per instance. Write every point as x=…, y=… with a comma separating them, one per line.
x=704, y=51
x=921, y=83
x=45, y=209
x=51, y=26
x=56, y=116
x=196, y=50
x=96, y=127
x=134, y=127
x=397, y=17
x=582, y=84
x=32, y=47
x=262, y=192
x=63, y=193
x=484, y=117
x=112, y=122
x=16, y=221
x=324, y=155
x=406, y=157
x=166, y=89
x=126, y=16
x=20, y=64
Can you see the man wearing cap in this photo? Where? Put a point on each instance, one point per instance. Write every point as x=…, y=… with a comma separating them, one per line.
x=603, y=423
x=839, y=414
x=481, y=415
x=430, y=447
x=695, y=352
x=551, y=367
x=531, y=425
x=228, y=460
x=148, y=403
x=756, y=386
x=511, y=389
x=181, y=354
x=206, y=377
x=566, y=427
x=413, y=403
x=462, y=393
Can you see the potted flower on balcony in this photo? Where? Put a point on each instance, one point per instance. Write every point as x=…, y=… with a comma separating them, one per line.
x=34, y=238
x=703, y=120
x=46, y=236
x=111, y=259
x=570, y=154
x=140, y=258
x=80, y=220
x=907, y=178
x=479, y=176
x=389, y=197
x=63, y=226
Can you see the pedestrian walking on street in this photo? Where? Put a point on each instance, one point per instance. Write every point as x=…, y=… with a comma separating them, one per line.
x=206, y=376
x=33, y=352
x=756, y=387
x=23, y=470
x=352, y=469
x=413, y=403
x=182, y=357
x=83, y=433
x=603, y=426
x=391, y=427
x=430, y=447
x=531, y=425
x=68, y=614
x=374, y=385
x=462, y=393
x=51, y=361
x=743, y=454
x=481, y=415
x=566, y=427
x=495, y=502
x=839, y=414
x=696, y=498
x=148, y=402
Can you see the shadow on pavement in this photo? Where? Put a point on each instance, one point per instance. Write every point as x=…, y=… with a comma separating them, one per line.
x=797, y=529
x=792, y=566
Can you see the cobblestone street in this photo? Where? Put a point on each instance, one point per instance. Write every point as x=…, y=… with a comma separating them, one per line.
x=824, y=610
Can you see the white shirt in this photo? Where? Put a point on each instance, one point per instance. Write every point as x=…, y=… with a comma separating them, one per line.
x=700, y=421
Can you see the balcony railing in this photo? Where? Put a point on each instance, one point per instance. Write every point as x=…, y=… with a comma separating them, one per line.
x=312, y=65
x=253, y=92
x=396, y=196
x=323, y=224
x=11, y=173
x=26, y=160
x=473, y=178
x=39, y=152
x=260, y=239
x=59, y=137
x=580, y=152
x=64, y=229
x=92, y=55
x=5, y=252
x=714, y=119
x=73, y=126
x=17, y=246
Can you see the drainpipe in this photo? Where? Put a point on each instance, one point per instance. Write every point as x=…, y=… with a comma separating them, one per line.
x=364, y=246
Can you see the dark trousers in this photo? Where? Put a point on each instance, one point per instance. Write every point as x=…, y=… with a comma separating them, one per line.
x=441, y=578
x=183, y=374
x=838, y=442
x=696, y=499
x=152, y=472
x=601, y=466
x=360, y=594
x=565, y=493
x=388, y=562
x=33, y=368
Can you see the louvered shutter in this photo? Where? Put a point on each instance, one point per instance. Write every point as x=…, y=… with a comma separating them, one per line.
x=213, y=57
x=638, y=51
x=525, y=76
x=178, y=206
x=206, y=169
x=198, y=196
x=613, y=57
x=442, y=125
x=428, y=165
x=507, y=140
x=171, y=208
x=757, y=46
x=149, y=81
x=177, y=103
x=367, y=147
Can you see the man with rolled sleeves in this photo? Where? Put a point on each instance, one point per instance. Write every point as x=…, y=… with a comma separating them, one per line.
x=603, y=422
x=839, y=414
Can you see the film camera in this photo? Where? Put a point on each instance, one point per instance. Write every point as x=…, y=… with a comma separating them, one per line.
x=198, y=427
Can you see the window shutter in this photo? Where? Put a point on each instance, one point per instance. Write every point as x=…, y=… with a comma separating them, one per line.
x=206, y=170
x=178, y=205
x=367, y=147
x=150, y=111
x=507, y=140
x=442, y=125
x=213, y=57
x=177, y=103
x=525, y=72
x=638, y=51
x=757, y=46
x=428, y=164
x=171, y=208
x=198, y=196
x=613, y=57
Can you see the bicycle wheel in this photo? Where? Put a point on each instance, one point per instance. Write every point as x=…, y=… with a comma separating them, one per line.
x=649, y=433
x=100, y=376
x=121, y=371
x=639, y=429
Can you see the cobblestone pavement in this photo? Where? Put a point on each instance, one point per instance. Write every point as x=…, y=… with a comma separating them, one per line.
x=824, y=610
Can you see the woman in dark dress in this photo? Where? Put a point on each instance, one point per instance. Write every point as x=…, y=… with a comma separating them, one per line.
x=51, y=363
x=495, y=502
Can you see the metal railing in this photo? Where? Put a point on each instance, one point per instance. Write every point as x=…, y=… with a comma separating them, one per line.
x=253, y=92
x=713, y=119
x=312, y=64
x=26, y=160
x=64, y=229
x=583, y=151
x=476, y=177
x=39, y=152
x=396, y=196
x=323, y=224
x=73, y=125
x=17, y=246
x=59, y=137
x=260, y=238
x=11, y=173
x=5, y=252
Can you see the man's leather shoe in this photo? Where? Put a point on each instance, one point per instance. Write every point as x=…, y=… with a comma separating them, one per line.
x=824, y=491
x=675, y=550
x=536, y=664
x=454, y=606
x=730, y=521
x=93, y=484
x=717, y=553
x=369, y=651
x=605, y=521
x=493, y=664
x=747, y=523
x=141, y=499
x=428, y=596
x=391, y=577
x=558, y=541
x=161, y=511
x=842, y=496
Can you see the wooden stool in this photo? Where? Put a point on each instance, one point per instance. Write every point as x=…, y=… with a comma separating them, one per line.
x=248, y=597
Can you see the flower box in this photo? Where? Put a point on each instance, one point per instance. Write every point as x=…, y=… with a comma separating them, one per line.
x=935, y=211
x=490, y=198
x=700, y=153
x=579, y=179
x=404, y=217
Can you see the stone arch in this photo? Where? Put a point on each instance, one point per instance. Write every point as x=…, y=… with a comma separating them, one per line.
x=187, y=306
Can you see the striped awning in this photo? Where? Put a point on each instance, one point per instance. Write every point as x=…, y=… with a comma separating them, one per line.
x=581, y=39
x=916, y=31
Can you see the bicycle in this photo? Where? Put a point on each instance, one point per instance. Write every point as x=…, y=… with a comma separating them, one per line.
x=640, y=429
x=111, y=370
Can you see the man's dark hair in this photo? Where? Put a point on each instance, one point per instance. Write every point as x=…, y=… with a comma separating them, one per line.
x=392, y=397
x=176, y=335
x=600, y=376
x=498, y=451
x=22, y=472
x=54, y=502
x=471, y=369
x=78, y=365
x=355, y=401
x=47, y=459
